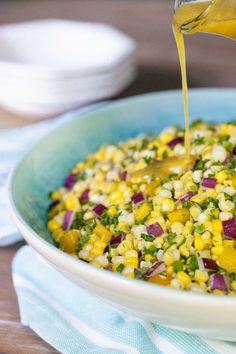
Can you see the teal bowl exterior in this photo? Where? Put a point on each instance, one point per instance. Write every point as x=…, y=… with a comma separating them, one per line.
x=46, y=165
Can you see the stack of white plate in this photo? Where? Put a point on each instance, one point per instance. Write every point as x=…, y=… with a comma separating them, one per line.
x=51, y=66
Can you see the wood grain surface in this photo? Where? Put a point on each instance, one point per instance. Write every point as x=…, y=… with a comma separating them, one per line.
x=211, y=62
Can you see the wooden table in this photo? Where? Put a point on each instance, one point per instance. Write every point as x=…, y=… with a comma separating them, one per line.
x=211, y=62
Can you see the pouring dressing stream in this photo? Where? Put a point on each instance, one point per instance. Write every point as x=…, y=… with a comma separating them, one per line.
x=215, y=17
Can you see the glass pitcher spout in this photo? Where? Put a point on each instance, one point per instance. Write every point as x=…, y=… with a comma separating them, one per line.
x=217, y=17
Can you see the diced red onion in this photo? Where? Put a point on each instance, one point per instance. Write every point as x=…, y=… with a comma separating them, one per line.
x=68, y=219
x=186, y=197
x=157, y=268
x=116, y=240
x=219, y=282
x=70, y=181
x=209, y=182
x=229, y=228
x=99, y=209
x=123, y=175
x=137, y=198
x=175, y=142
x=207, y=264
x=155, y=229
x=85, y=196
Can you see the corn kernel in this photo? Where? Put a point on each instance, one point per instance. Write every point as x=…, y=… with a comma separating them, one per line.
x=151, y=187
x=217, y=225
x=201, y=276
x=72, y=203
x=170, y=270
x=221, y=176
x=53, y=225
x=148, y=258
x=184, y=251
x=168, y=205
x=168, y=258
x=124, y=246
x=55, y=196
x=199, y=243
x=131, y=262
x=112, y=211
x=233, y=284
x=184, y=278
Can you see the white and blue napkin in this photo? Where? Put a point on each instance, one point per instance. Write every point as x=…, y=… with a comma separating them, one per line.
x=74, y=321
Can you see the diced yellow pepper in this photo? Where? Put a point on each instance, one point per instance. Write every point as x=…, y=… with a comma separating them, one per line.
x=234, y=181
x=142, y=212
x=70, y=241
x=181, y=215
x=227, y=259
x=102, y=232
x=152, y=186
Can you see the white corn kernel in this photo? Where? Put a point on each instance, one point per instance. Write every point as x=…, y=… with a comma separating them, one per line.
x=224, y=216
x=202, y=218
x=229, y=190
x=226, y=205
x=101, y=260
x=165, y=193
x=197, y=176
x=219, y=153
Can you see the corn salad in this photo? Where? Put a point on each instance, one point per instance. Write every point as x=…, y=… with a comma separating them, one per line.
x=178, y=231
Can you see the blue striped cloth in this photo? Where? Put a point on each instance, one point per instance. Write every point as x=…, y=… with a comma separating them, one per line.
x=74, y=321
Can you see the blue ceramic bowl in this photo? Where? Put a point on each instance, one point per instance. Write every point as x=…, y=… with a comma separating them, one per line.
x=46, y=165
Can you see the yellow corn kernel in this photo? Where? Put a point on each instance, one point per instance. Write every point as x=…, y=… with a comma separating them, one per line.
x=168, y=258
x=208, y=226
x=201, y=276
x=184, y=278
x=168, y=205
x=152, y=186
x=216, y=251
x=93, y=238
x=184, y=251
x=122, y=226
x=131, y=262
x=199, y=243
x=70, y=241
x=234, y=181
x=199, y=198
x=181, y=215
x=124, y=246
x=57, y=234
x=112, y=211
x=233, y=284
x=148, y=257
x=218, y=292
x=221, y=176
x=102, y=232
x=99, y=244
x=131, y=253
x=72, y=203
x=166, y=137
x=96, y=264
x=55, y=196
x=53, y=225
x=142, y=212
x=217, y=225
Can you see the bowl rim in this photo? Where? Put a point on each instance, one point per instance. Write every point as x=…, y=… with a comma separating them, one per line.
x=135, y=286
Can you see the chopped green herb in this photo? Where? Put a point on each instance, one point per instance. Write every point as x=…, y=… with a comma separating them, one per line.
x=79, y=221
x=187, y=204
x=109, y=220
x=120, y=268
x=195, y=123
x=192, y=264
x=82, y=176
x=83, y=240
x=165, y=154
x=144, y=144
x=201, y=164
x=151, y=250
x=138, y=274
x=214, y=214
x=171, y=238
x=200, y=229
x=234, y=198
x=178, y=266
x=146, y=237
x=200, y=140
x=148, y=159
